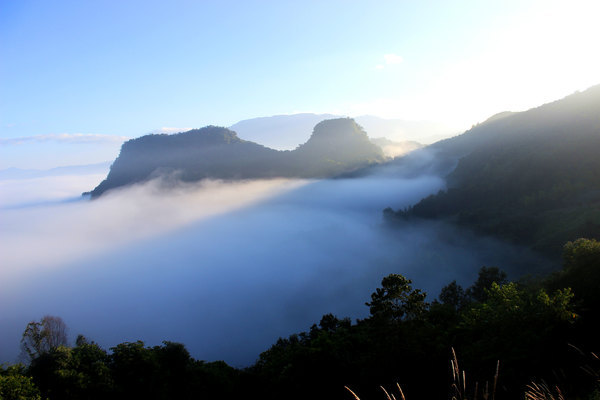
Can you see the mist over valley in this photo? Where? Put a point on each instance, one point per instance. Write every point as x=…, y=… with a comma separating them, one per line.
x=228, y=267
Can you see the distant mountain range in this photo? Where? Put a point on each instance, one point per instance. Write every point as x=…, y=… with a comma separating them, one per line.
x=286, y=132
x=18, y=173
x=335, y=146
x=280, y=132
x=531, y=177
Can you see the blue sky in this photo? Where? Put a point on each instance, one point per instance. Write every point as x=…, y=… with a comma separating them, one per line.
x=125, y=68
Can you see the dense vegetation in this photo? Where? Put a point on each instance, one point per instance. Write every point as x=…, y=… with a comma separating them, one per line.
x=336, y=146
x=532, y=177
x=533, y=327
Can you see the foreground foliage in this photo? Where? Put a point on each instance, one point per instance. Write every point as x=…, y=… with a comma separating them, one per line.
x=534, y=328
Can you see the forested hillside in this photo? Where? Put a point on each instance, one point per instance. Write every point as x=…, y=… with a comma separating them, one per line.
x=532, y=177
x=507, y=335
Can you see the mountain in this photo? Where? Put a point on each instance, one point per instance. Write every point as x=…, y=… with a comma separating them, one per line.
x=531, y=177
x=286, y=132
x=281, y=132
x=335, y=146
x=89, y=169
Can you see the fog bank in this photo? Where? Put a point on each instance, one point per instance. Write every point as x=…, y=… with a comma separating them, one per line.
x=225, y=268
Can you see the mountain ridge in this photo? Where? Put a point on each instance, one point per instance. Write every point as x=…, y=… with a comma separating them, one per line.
x=288, y=131
x=531, y=177
x=335, y=146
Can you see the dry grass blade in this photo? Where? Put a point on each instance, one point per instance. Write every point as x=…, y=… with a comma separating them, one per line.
x=386, y=393
x=353, y=394
x=459, y=385
x=454, y=362
x=589, y=370
x=496, y=380
x=542, y=392
x=400, y=390
x=458, y=388
x=533, y=392
x=577, y=349
x=453, y=368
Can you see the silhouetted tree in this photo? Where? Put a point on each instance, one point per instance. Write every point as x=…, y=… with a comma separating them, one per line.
x=41, y=337
x=396, y=300
x=453, y=295
x=487, y=276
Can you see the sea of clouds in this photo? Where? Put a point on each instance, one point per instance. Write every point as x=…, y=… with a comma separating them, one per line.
x=224, y=267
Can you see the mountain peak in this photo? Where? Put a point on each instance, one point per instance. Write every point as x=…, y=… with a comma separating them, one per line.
x=338, y=143
x=339, y=128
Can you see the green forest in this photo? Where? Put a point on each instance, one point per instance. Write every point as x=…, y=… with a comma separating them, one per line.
x=497, y=338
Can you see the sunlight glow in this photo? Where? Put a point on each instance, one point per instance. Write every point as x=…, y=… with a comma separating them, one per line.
x=542, y=54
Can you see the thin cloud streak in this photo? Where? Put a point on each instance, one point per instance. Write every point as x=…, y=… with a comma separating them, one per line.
x=85, y=138
x=390, y=59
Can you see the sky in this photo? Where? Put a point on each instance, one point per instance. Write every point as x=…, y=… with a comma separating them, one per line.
x=111, y=70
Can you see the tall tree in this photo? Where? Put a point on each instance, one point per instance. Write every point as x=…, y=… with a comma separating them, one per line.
x=396, y=300
x=41, y=337
x=487, y=276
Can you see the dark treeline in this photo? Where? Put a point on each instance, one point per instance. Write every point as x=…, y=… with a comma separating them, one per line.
x=540, y=330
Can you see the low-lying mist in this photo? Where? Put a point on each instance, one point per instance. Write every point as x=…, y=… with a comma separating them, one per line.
x=225, y=267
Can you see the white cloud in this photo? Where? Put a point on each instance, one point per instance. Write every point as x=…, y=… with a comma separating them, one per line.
x=389, y=59
x=64, y=138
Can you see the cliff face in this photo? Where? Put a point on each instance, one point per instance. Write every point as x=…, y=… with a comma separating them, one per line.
x=335, y=146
